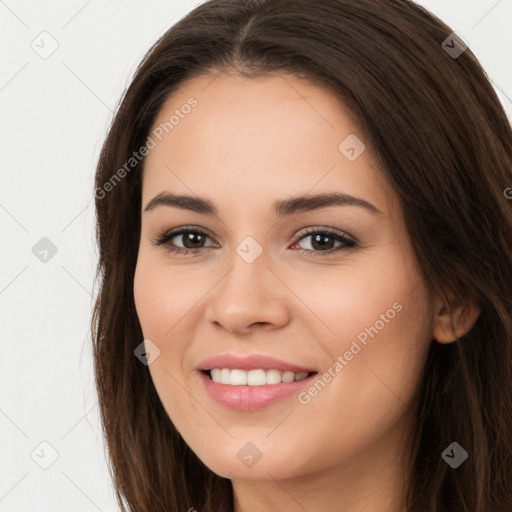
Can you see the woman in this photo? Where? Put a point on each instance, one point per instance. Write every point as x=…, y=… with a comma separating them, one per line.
x=306, y=266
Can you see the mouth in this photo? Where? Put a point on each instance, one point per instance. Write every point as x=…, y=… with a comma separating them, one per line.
x=254, y=389
x=256, y=377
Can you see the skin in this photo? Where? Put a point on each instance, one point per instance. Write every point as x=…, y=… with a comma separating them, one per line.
x=247, y=143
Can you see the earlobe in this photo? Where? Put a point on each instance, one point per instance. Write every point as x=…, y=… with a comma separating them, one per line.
x=454, y=320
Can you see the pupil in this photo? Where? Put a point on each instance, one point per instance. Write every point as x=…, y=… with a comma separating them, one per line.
x=190, y=238
x=317, y=239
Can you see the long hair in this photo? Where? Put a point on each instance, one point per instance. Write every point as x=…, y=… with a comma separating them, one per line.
x=444, y=143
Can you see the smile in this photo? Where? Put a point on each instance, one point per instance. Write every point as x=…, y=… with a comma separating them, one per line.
x=246, y=390
x=259, y=377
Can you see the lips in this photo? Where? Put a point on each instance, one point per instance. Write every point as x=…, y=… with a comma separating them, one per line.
x=251, y=362
x=251, y=398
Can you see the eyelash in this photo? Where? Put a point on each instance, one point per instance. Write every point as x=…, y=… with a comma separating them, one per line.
x=164, y=238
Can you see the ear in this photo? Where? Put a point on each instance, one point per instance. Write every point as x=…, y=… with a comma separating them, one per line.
x=454, y=319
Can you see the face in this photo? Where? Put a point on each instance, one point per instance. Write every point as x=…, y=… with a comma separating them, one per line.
x=329, y=287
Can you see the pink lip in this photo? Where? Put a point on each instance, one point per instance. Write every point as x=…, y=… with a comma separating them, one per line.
x=248, y=398
x=252, y=362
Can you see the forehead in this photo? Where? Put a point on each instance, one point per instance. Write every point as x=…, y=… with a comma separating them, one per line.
x=259, y=139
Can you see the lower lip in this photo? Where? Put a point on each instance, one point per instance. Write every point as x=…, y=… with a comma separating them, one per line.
x=249, y=398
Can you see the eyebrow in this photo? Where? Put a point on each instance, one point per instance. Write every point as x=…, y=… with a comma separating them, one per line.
x=280, y=208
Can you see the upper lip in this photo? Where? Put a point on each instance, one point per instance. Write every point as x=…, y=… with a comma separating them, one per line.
x=251, y=362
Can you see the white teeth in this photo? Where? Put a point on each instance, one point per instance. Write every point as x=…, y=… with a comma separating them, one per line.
x=253, y=377
x=273, y=377
x=238, y=378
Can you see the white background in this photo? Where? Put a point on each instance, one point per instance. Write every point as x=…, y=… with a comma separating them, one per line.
x=54, y=115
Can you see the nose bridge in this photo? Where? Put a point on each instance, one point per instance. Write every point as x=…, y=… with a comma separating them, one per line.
x=249, y=292
x=248, y=278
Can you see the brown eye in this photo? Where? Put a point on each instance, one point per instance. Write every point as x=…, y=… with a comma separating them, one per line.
x=192, y=239
x=322, y=241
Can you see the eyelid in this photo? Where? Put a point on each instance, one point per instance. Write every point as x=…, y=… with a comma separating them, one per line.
x=163, y=236
x=306, y=230
x=325, y=229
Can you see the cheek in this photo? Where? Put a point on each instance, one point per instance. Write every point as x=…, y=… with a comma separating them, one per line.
x=159, y=308
x=169, y=300
x=162, y=308
x=376, y=313
x=376, y=347
x=163, y=295
x=381, y=328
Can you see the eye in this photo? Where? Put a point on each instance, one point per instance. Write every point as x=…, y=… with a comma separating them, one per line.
x=322, y=241
x=193, y=238
x=190, y=237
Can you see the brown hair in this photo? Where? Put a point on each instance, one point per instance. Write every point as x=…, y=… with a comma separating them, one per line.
x=444, y=143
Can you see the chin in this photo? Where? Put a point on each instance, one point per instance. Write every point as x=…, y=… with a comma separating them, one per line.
x=244, y=460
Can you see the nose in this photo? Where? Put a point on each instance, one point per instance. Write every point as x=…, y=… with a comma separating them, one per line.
x=250, y=296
